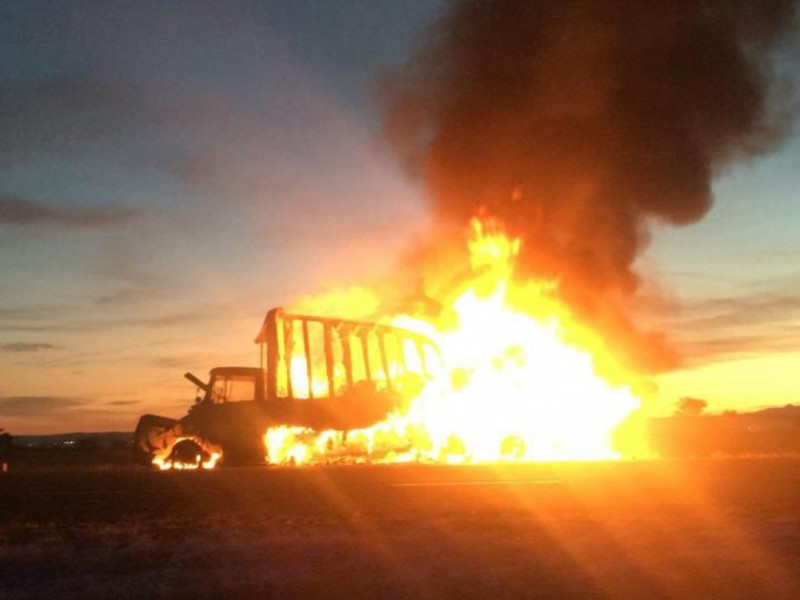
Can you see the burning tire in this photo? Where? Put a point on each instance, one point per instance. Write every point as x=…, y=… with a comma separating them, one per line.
x=188, y=452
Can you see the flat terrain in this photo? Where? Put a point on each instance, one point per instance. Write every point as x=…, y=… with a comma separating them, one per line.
x=663, y=529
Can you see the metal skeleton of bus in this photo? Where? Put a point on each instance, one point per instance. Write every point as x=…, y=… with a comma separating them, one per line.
x=315, y=372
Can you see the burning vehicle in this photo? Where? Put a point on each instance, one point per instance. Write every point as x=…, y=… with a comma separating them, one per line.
x=524, y=382
x=555, y=160
x=316, y=374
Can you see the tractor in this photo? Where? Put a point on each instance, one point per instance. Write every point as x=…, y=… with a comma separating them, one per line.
x=316, y=373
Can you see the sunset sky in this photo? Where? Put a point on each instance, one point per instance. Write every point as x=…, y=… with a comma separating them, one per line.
x=169, y=171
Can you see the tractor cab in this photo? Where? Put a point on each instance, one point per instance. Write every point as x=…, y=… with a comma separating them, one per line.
x=234, y=384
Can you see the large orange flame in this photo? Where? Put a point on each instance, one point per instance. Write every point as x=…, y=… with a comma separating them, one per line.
x=522, y=381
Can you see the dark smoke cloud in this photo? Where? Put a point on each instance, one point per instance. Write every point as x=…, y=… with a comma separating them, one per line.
x=578, y=123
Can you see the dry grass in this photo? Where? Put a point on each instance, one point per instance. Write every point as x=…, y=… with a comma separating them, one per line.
x=703, y=529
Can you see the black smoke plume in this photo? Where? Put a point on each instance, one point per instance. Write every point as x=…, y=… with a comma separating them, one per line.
x=579, y=123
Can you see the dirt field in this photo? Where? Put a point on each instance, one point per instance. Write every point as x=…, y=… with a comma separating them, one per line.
x=673, y=530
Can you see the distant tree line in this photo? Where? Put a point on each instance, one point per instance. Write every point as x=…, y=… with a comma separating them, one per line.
x=690, y=432
x=6, y=444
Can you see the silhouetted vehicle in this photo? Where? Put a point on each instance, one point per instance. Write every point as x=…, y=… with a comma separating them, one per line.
x=315, y=372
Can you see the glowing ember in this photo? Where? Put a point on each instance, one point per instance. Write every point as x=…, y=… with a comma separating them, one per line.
x=169, y=462
x=199, y=463
x=523, y=382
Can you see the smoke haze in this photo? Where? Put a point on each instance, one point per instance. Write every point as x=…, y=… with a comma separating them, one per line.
x=579, y=123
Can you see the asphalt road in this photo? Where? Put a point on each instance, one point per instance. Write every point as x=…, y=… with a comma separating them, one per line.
x=691, y=529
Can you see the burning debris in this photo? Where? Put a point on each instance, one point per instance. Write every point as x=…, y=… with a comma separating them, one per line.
x=521, y=383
